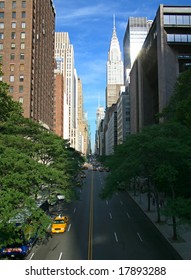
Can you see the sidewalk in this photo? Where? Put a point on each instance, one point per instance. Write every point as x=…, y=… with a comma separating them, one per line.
x=182, y=246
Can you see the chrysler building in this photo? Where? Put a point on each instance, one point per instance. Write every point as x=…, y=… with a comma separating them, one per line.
x=115, y=76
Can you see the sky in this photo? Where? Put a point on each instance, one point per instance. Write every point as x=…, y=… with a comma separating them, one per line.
x=90, y=25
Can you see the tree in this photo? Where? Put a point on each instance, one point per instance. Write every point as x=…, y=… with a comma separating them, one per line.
x=32, y=159
x=178, y=109
x=161, y=153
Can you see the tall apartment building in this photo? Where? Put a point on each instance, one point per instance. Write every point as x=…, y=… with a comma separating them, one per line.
x=135, y=34
x=58, y=104
x=83, y=134
x=114, y=70
x=123, y=116
x=27, y=55
x=100, y=114
x=166, y=52
x=64, y=54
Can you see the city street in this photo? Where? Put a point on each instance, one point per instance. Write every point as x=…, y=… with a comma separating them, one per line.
x=99, y=229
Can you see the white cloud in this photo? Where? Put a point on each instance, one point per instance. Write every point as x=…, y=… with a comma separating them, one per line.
x=82, y=13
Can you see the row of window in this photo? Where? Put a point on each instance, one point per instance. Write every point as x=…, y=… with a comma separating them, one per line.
x=14, y=4
x=21, y=89
x=14, y=14
x=13, y=35
x=13, y=25
x=13, y=46
x=177, y=19
x=12, y=56
x=179, y=38
x=12, y=78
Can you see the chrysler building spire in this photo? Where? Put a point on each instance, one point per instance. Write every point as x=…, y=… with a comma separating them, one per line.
x=113, y=21
x=114, y=53
x=114, y=69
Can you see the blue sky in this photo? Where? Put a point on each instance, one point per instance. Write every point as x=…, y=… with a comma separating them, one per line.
x=90, y=24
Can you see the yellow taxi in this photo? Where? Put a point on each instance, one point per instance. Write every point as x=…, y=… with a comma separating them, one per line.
x=59, y=224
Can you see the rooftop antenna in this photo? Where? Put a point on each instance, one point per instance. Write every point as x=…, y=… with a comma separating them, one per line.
x=98, y=101
x=113, y=21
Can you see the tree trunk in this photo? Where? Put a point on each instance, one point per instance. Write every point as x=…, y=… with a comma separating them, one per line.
x=158, y=208
x=134, y=186
x=149, y=195
x=175, y=236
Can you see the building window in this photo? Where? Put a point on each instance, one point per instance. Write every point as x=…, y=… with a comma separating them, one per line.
x=1, y=47
x=22, y=35
x=11, y=89
x=13, y=14
x=23, y=25
x=2, y=4
x=12, y=46
x=13, y=24
x=1, y=14
x=20, y=89
x=23, y=4
x=12, y=78
x=14, y=4
x=12, y=67
x=13, y=35
x=21, y=78
x=21, y=100
x=22, y=56
x=1, y=25
x=21, y=67
x=12, y=56
x=1, y=35
x=23, y=14
x=22, y=46
x=177, y=20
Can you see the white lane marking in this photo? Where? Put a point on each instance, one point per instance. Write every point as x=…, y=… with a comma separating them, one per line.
x=31, y=256
x=60, y=256
x=69, y=227
x=74, y=210
x=121, y=202
x=107, y=202
x=110, y=215
x=116, y=236
x=128, y=215
x=139, y=237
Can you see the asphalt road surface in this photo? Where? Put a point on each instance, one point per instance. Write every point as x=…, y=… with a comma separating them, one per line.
x=113, y=229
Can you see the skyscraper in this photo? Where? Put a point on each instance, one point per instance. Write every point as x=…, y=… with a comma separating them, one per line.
x=114, y=70
x=135, y=34
x=164, y=55
x=27, y=56
x=64, y=55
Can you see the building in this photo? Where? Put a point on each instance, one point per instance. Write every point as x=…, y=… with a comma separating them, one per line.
x=166, y=52
x=111, y=132
x=114, y=70
x=27, y=56
x=123, y=116
x=135, y=34
x=100, y=114
x=58, y=104
x=83, y=130
x=64, y=54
